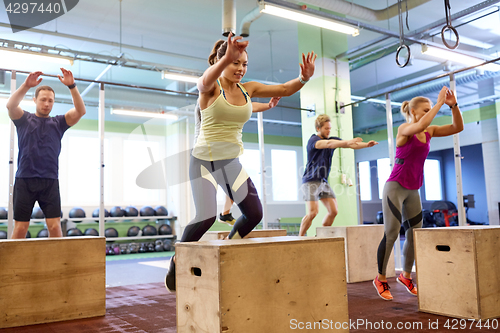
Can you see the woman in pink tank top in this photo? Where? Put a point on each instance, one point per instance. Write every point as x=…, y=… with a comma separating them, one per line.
x=401, y=200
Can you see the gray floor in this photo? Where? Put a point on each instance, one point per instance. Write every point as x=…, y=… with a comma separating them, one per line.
x=136, y=271
x=139, y=271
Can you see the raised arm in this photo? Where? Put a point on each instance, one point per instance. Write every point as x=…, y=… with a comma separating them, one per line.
x=15, y=111
x=334, y=143
x=260, y=107
x=361, y=145
x=457, y=124
x=206, y=83
x=410, y=129
x=257, y=89
x=76, y=113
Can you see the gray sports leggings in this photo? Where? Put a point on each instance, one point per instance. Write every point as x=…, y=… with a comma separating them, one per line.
x=396, y=200
x=231, y=176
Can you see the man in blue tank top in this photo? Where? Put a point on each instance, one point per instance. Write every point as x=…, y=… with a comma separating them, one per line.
x=320, y=148
x=39, y=138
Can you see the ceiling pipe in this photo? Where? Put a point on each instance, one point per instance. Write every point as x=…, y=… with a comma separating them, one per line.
x=228, y=17
x=436, y=85
x=359, y=12
x=248, y=20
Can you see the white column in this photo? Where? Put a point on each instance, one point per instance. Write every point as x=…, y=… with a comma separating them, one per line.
x=101, y=166
x=260, y=123
x=458, y=166
x=390, y=144
x=10, y=216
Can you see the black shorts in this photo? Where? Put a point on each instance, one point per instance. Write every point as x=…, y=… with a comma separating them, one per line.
x=29, y=190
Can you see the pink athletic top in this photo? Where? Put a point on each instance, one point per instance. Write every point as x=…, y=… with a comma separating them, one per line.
x=408, y=168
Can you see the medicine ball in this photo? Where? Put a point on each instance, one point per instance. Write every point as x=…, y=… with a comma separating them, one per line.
x=91, y=232
x=111, y=232
x=124, y=249
x=74, y=232
x=149, y=230
x=28, y=234
x=37, y=213
x=95, y=213
x=109, y=251
x=3, y=213
x=3, y=234
x=116, y=249
x=147, y=211
x=167, y=245
x=42, y=233
x=380, y=217
x=159, y=245
x=76, y=212
x=133, y=231
x=161, y=211
x=133, y=248
x=131, y=211
x=116, y=212
x=165, y=229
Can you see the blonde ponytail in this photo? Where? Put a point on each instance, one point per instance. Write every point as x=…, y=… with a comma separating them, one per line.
x=406, y=107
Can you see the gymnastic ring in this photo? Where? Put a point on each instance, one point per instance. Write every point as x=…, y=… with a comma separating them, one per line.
x=404, y=46
x=451, y=47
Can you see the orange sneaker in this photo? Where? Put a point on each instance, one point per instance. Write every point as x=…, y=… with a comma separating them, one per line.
x=408, y=283
x=382, y=289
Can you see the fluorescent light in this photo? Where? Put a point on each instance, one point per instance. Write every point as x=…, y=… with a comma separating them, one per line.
x=373, y=100
x=306, y=18
x=472, y=42
x=458, y=58
x=145, y=114
x=15, y=56
x=179, y=77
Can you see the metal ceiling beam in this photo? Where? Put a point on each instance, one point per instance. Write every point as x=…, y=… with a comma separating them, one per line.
x=105, y=42
x=419, y=34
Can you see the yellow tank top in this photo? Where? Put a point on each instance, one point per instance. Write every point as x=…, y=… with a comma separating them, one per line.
x=221, y=128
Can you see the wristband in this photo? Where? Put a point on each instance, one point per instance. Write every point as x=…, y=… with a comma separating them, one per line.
x=302, y=80
x=452, y=106
x=71, y=86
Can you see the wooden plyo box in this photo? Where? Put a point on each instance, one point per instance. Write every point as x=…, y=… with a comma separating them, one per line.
x=458, y=271
x=361, y=245
x=51, y=279
x=216, y=235
x=260, y=285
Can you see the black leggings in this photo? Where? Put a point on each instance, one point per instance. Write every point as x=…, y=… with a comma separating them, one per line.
x=205, y=176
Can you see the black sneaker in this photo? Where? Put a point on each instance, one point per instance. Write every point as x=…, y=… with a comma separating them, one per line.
x=228, y=219
x=170, y=277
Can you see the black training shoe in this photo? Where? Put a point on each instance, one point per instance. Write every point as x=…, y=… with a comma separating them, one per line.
x=228, y=219
x=170, y=277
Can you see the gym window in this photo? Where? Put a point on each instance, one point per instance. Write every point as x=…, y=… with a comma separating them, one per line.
x=284, y=178
x=82, y=171
x=383, y=173
x=365, y=186
x=4, y=165
x=432, y=180
x=137, y=156
x=250, y=160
